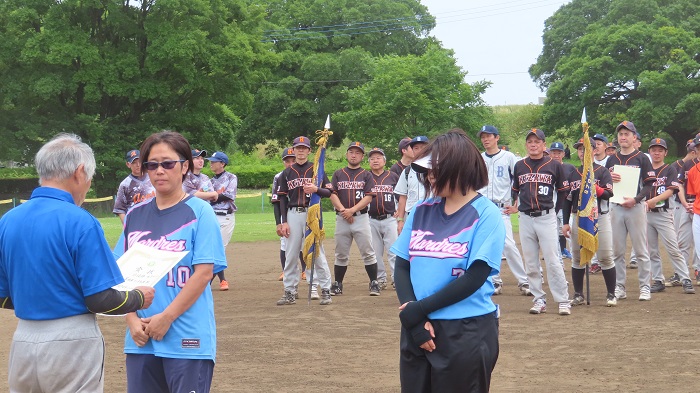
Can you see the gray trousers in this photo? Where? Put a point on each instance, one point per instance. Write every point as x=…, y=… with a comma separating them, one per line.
x=605, y=243
x=683, y=222
x=384, y=234
x=57, y=356
x=632, y=221
x=295, y=242
x=346, y=232
x=660, y=224
x=540, y=233
x=512, y=254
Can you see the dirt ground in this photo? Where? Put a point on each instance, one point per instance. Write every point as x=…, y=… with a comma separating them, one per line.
x=352, y=345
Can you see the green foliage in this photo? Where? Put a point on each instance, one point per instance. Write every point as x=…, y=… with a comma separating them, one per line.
x=18, y=173
x=513, y=123
x=623, y=59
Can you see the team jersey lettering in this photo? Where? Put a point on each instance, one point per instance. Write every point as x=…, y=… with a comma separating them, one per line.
x=535, y=178
x=299, y=182
x=383, y=188
x=420, y=246
x=350, y=185
x=161, y=244
x=138, y=198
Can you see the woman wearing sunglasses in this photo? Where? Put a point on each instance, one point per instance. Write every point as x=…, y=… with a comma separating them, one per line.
x=450, y=246
x=171, y=346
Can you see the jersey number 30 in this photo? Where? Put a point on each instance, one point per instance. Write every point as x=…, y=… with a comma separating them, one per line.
x=543, y=190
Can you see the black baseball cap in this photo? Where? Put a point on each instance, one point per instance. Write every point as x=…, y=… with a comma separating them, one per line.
x=301, y=141
x=288, y=152
x=601, y=137
x=132, y=155
x=487, y=129
x=658, y=142
x=628, y=125
x=537, y=132
x=580, y=143
x=357, y=145
x=403, y=144
x=196, y=153
x=376, y=150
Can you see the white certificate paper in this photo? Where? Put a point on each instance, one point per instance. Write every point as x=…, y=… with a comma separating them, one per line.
x=627, y=186
x=145, y=266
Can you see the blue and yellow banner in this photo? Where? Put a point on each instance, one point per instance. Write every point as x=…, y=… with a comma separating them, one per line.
x=587, y=203
x=314, y=234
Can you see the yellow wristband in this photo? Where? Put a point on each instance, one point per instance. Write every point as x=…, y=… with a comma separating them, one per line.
x=399, y=219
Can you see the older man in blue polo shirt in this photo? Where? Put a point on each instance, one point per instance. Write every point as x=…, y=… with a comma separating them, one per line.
x=57, y=346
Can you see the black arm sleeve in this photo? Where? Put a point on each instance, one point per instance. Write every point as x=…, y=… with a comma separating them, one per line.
x=6, y=302
x=323, y=192
x=402, y=279
x=278, y=213
x=113, y=302
x=458, y=290
x=646, y=190
x=222, y=198
x=566, y=210
x=283, y=208
x=561, y=196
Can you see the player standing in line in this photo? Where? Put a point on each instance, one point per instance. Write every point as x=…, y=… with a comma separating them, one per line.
x=287, y=160
x=556, y=151
x=686, y=220
x=406, y=156
x=171, y=346
x=57, y=345
x=500, y=164
x=409, y=187
x=600, y=157
x=535, y=181
x=449, y=334
x=630, y=216
x=196, y=183
x=226, y=185
x=136, y=188
x=381, y=214
x=693, y=189
x=611, y=149
x=660, y=221
x=352, y=193
x=603, y=190
x=295, y=186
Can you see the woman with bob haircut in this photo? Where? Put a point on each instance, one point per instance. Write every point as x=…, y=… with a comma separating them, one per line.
x=450, y=245
x=171, y=346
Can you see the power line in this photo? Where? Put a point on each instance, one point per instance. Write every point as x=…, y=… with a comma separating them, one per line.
x=367, y=80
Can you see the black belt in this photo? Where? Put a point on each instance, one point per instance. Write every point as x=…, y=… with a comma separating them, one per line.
x=356, y=213
x=223, y=212
x=381, y=216
x=536, y=213
x=499, y=204
x=298, y=209
x=658, y=210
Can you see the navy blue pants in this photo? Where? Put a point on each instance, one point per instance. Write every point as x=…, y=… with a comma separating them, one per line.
x=466, y=351
x=152, y=374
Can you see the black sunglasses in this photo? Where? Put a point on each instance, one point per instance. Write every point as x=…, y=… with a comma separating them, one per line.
x=152, y=165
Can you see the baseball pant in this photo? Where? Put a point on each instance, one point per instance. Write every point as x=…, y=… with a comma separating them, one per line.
x=512, y=254
x=632, y=221
x=150, y=373
x=660, y=224
x=696, y=233
x=346, y=232
x=466, y=351
x=540, y=233
x=683, y=222
x=60, y=356
x=384, y=235
x=322, y=274
x=605, y=243
x=226, y=225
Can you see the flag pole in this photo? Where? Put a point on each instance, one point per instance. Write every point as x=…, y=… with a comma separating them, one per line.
x=584, y=123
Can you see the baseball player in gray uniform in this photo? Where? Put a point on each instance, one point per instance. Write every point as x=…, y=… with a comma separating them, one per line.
x=226, y=185
x=556, y=151
x=136, y=188
x=500, y=164
x=196, y=183
x=629, y=217
x=536, y=179
x=660, y=221
x=381, y=214
x=352, y=193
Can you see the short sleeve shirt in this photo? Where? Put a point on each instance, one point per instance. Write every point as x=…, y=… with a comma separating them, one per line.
x=133, y=190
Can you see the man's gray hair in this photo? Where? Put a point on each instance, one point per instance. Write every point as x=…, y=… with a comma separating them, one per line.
x=61, y=156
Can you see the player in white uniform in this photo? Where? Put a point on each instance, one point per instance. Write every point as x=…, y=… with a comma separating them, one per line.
x=409, y=188
x=500, y=164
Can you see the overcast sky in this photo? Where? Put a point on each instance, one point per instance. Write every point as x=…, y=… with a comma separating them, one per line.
x=495, y=40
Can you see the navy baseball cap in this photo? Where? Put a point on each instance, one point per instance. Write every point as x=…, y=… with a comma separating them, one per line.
x=658, y=142
x=376, y=150
x=196, y=153
x=628, y=125
x=288, y=152
x=418, y=139
x=580, y=143
x=219, y=156
x=556, y=146
x=132, y=155
x=403, y=144
x=601, y=137
x=357, y=145
x=301, y=141
x=487, y=129
x=611, y=145
x=537, y=132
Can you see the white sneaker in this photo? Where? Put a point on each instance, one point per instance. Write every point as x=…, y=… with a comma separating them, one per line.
x=314, y=294
x=644, y=293
x=497, y=288
x=620, y=292
x=565, y=308
x=525, y=289
x=539, y=307
x=611, y=300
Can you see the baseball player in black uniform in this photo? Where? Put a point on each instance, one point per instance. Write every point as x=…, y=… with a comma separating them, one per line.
x=352, y=193
x=536, y=179
x=630, y=216
x=603, y=190
x=381, y=213
x=660, y=221
x=295, y=189
x=406, y=156
x=556, y=151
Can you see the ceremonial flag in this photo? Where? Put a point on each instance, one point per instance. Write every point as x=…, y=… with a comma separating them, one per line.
x=587, y=203
x=314, y=234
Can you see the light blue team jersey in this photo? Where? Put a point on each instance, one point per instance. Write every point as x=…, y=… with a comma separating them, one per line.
x=189, y=225
x=440, y=248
